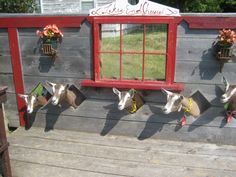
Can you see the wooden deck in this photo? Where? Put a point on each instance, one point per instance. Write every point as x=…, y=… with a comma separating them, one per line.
x=35, y=153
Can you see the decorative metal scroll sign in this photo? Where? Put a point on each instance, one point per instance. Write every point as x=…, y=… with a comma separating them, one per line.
x=142, y=8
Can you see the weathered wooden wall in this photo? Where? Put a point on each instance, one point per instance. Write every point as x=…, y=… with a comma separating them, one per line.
x=6, y=78
x=196, y=67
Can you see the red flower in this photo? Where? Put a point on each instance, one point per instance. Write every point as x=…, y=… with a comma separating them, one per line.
x=227, y=37
x=50, y=31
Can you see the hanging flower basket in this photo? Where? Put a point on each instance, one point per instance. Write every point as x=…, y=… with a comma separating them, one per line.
x=49, y=46
x=226, y=39
x=225, y=52
x=50, y=37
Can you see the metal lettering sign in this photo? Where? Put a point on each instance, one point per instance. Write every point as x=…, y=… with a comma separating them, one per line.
x=142, y=8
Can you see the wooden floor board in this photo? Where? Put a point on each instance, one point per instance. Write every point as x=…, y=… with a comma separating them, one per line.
x=29, y=169
x=124, y=142
x=35, y=153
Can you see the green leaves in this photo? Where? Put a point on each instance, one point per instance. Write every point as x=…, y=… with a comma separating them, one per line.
x=201, y=5
x=17, y=6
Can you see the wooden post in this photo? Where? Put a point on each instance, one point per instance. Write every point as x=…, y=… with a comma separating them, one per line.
x=3, y=139
x=17, y=72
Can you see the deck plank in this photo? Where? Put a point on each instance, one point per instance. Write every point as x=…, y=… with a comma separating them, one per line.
x=68, y=153
x=92, y=139
x=29, y=169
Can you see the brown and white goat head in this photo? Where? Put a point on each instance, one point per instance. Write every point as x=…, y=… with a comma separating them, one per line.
x=62, y=93
x=125, y=98
x=30, y=101
x=230, y=91
x=173, y=102
x=33, y=101
x=177, y=102
x=59, y=91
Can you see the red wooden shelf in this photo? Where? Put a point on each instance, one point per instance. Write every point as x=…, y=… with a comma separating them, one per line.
x=135, y=85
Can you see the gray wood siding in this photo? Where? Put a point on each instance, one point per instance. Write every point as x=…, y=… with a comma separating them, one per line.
x=196, y=67
x=6, y=79
x=72, y=64
x=104, y=2
x=61, y=6
x=196, y=63
x=69, y=6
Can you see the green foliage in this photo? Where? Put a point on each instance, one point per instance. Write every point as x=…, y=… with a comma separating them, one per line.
x=201, y=5
x=229, y=6
x=17, y=6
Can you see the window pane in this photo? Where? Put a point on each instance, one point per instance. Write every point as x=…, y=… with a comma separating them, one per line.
x=86, y=6
x=156, y=38
x=110, y=66
x=110, y=37
x=154, y=67
x=132, y=37
x=132, y=67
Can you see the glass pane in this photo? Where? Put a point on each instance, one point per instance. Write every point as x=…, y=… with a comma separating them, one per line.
x=132, y=67
x=132, y=38
x=110, y=66
x=86, y=6
x=156, y=38
x=155, y=67
x=110, y=37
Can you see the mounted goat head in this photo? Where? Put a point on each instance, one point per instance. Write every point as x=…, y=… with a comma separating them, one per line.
x=230, y=90
x=177, y=102
x=32, y=101
x=62, y=93
x=130, y=100
x=229, y=97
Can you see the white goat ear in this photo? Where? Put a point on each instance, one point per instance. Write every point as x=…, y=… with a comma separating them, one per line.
x=132, y=93
x=116, y=91
x=50, y=84
x=166, y=92
x=180, y=107
x=23, y=96
x=67, y=86
x=226, y=83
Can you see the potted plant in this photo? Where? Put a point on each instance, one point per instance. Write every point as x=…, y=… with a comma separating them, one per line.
x=50, y=37
x=226, y=39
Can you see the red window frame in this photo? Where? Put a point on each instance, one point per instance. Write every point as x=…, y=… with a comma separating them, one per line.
x=168, y=83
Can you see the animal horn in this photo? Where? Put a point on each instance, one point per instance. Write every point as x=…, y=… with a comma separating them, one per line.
x=132, y=92
x=49, y=83
x=226, y=83
x=166, y=91
x=22, y=95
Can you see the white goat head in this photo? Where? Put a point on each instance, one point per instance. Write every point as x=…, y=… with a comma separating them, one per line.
x=173, y=102
x=125, y=98
x=230, y=90
x=31, y=102
x=59, y=91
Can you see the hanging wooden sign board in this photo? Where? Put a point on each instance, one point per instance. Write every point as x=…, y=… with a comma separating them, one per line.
x=142, y=8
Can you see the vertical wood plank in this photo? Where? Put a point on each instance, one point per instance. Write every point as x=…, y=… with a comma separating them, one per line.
x=96, y=55
x=5, y=160
x=17, y=71
x=121, y=55
x=171, y=53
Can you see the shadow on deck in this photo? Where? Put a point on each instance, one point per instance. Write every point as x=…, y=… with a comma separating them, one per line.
x=35, y=153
